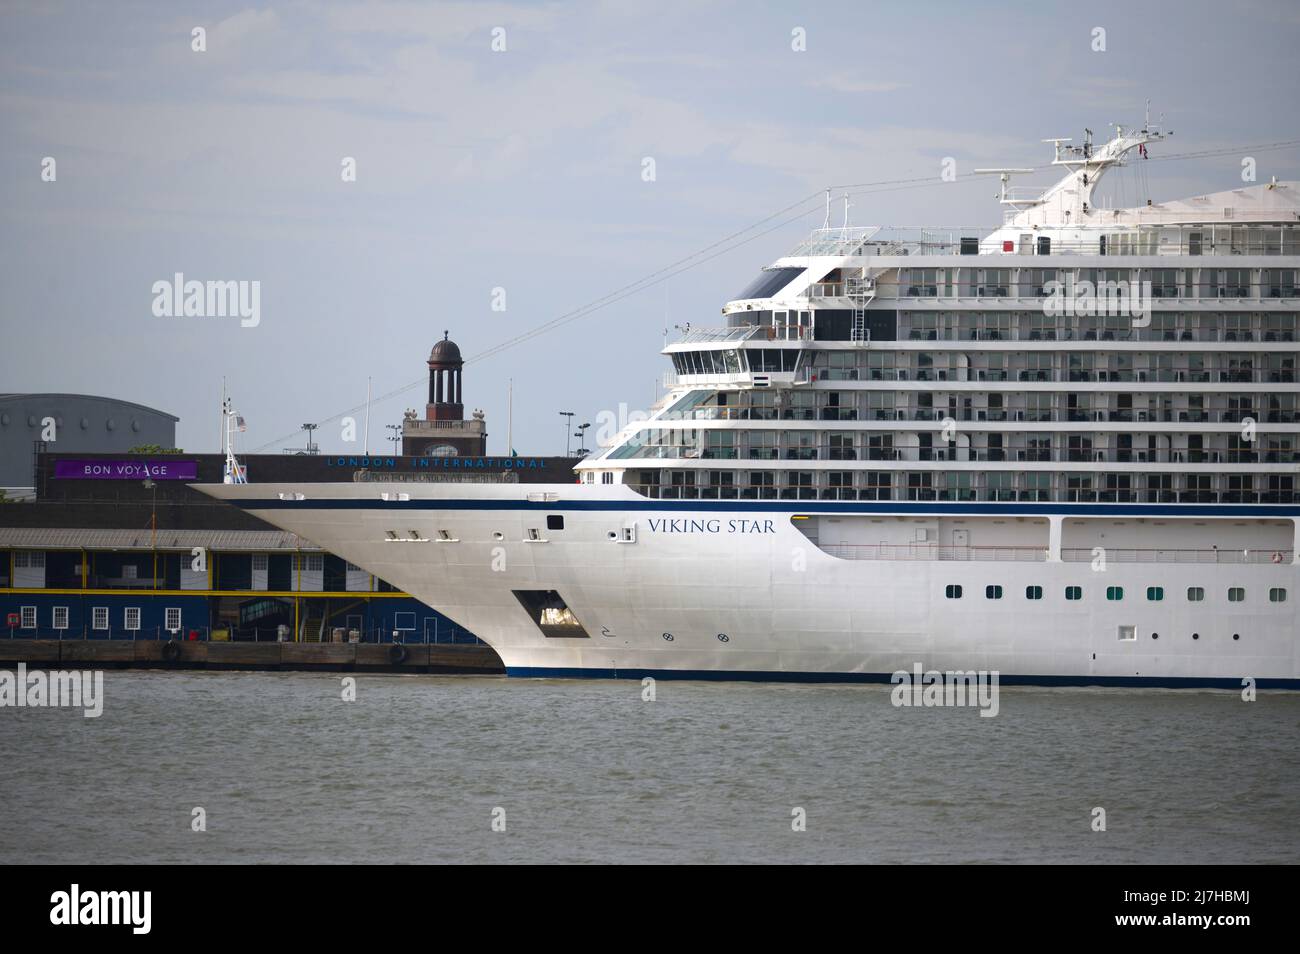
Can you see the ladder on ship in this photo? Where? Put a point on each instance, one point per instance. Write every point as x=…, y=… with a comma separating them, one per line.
x=860, y=292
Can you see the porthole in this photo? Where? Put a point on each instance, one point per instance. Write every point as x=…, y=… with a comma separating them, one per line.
x=1196, y=635
x=1236, y=635
x=1074, y=592
x=952, y=591
x=1033, y=592
x=668, y=637
x=498, y=535
x=993, y=592
x=1114, y=593
x=613, y=535
x=723, y=638
x=1155, y=635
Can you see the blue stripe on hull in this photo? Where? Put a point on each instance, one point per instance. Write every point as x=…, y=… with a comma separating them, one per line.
x=727, y=675
x=786, y=506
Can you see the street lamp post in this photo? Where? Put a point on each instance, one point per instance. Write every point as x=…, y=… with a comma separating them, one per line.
x=581, y=435
x=568, y=423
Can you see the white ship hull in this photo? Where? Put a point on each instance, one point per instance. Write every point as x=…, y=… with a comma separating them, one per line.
x=734, y=589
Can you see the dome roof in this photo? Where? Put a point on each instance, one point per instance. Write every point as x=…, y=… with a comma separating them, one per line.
x=445, y=352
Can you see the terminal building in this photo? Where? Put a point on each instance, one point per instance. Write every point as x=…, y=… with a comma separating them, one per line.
x=117, y=545
x=30, y=423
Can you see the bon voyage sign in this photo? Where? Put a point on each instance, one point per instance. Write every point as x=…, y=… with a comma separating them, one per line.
x=126, y=469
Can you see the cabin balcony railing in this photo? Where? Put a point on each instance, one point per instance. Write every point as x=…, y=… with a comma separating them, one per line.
x=938, y=552
x=930, y=551
x=1213, y=555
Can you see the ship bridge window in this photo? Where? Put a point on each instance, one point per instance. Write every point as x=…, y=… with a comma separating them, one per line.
x=769, y=282
x=552, y=615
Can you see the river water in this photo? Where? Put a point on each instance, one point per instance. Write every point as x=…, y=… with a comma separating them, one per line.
x=417, y=768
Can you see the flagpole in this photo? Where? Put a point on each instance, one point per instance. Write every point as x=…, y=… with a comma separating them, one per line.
x=510, y=418
x=367, y=437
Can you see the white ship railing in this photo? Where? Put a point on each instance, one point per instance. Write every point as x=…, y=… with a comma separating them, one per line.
x=1216, y=556
x=718, y=334
x=931, y=551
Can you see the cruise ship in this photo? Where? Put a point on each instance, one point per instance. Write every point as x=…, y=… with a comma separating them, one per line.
x=1062, y=450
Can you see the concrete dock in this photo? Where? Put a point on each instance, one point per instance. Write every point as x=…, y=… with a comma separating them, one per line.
x=280, y=657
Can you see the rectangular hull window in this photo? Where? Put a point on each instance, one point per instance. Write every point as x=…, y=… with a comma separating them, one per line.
x=551, y=614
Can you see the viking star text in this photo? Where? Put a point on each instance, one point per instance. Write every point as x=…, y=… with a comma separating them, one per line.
x=714, y=525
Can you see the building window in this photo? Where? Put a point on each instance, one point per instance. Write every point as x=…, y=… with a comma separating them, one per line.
x=1277, y=595
x=172, y=619
x=993, y=592
x=404, y=621
x=1236, y=594
x=315, y=562
x=259, y=563
x=60, y=617
x=28, y=620
x=34, y=559
x=1114, y=592
x=1195, y=594
x=1033, y=592
x=1074, y=592
x=131, y=618
x=952, y=591
x=99, y=617
x=1155, y=593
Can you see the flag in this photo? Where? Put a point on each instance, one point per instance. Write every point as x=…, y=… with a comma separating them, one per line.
x=513, y=452
x=239, y=422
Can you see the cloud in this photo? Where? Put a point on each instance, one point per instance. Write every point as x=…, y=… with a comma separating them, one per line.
x=850, y=83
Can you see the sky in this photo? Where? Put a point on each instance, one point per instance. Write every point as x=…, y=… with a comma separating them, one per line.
x=515, y=162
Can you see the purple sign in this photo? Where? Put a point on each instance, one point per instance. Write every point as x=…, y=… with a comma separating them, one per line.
x=126, y=469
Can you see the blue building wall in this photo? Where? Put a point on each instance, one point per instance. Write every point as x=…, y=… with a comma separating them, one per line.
x=379, y=618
